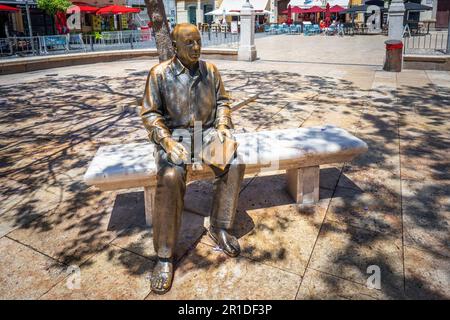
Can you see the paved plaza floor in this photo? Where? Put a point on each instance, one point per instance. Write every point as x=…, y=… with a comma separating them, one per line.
x=389, y=208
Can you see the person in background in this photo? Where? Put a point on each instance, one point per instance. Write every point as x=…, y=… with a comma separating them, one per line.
x=322, y=25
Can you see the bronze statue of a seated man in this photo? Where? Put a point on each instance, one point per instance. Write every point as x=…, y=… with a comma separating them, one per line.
x=180, y=92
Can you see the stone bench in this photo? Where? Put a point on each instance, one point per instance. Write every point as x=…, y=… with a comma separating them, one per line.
x=299, y=151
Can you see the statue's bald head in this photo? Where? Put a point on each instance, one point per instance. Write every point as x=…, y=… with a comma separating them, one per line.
x=182, y=30
x=187, y=43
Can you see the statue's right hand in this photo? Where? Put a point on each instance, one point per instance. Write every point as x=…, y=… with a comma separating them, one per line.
x=175, y=150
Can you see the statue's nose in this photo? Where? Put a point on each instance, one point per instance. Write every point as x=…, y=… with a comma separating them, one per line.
x=197, y=45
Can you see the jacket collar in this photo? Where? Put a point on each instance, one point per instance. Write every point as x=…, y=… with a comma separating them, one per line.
x=178, y=68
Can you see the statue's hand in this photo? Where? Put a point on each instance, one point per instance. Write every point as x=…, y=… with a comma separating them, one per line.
x=223, y=131
x=175, y=150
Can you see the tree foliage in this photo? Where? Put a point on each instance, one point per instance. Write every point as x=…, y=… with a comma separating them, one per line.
x=53, y=6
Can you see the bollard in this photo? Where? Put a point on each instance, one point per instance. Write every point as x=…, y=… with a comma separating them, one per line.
x=394, y=56
x=247, y=49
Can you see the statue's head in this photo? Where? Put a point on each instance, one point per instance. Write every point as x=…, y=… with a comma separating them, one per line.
x=187, y=43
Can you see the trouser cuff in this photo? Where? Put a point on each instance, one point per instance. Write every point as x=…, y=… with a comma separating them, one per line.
x=222, y=224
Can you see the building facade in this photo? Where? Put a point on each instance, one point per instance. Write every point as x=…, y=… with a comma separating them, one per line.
x=16, y=23
x=193, y=11
x=169, y=7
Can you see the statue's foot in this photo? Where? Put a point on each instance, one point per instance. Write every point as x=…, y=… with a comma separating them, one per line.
x=162, y=276
x=227, y=242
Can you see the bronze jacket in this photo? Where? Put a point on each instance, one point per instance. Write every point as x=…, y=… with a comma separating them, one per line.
x=174, y=99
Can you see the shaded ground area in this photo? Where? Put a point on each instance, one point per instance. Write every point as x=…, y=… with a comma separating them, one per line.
x=389, y=208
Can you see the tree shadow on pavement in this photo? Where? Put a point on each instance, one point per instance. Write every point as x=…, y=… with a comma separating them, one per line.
x=51, y=129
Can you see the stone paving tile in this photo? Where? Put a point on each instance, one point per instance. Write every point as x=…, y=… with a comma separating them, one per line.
x=382, y=154
x=330, y=175
x=268, y=226
x=427, y=275
x=412, y=78
x=441, y=79
x=347, y=252
x=368, y=195
x=254, y=115
x=26, y=273
x=199, y=195
x=292, y=115
x=138, y=238
x=326, y=115
x=209, y=274
x=322, y=286
x=426, y=215
x=74, y=235
x=112, y=274
x=31, y=196
x=377, y=209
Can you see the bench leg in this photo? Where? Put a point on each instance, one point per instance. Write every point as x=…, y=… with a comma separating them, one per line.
x=149, y=202
x=303, y=184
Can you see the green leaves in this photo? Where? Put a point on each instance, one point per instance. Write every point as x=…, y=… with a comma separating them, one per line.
x=53, y=6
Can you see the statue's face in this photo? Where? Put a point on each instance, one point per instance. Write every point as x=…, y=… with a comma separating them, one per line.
x=188, y=45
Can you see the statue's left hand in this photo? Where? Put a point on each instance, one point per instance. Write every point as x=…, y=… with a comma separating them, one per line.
x=223, y=132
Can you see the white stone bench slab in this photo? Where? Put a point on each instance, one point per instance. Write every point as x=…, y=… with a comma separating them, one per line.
x=299, y=151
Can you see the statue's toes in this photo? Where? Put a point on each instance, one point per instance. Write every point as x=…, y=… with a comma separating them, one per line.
x=161, y=283
x=232, y=247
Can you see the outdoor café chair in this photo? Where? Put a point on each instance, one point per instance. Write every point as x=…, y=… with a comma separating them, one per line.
x=294, y=29
x=272, y=29
x=307, y=29
x=278, y=28
x=285, y=28
x=330, y=31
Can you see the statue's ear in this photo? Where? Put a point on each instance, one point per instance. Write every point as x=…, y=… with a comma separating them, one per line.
x=174, y=44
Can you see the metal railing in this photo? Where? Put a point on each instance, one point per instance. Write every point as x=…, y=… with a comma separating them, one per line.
x=218, y=38
x=116, y=40
x=432, y=43
x=23, y=46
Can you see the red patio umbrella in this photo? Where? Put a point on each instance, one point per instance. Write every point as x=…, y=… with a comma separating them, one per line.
x=117, y=10
x=84, y=7
x=336, y=9
x=289, y=14
x=7, y=8
x=294, y=10
x=314, y=9
x=327, y=16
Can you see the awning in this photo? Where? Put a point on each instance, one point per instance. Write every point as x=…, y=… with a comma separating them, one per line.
x=7, y=8
x=83, y=7
x=336, y=9
x=361, y=8
x=233, y=7
x=411, y=6
x=305, y=4
x=116, y=10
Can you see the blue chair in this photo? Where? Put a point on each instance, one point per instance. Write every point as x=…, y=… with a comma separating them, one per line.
x=308, y=29
x=331, y=30
x=316, y=29
x=278, y=28
x=273, y=29
x=340, y=29
x=266, y=28
x=293, y=29
x=285, y=28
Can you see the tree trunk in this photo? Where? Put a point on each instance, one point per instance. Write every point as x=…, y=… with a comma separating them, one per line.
x=157, y=15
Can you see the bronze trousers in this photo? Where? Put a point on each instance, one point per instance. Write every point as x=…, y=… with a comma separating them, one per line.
x=169, y=200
